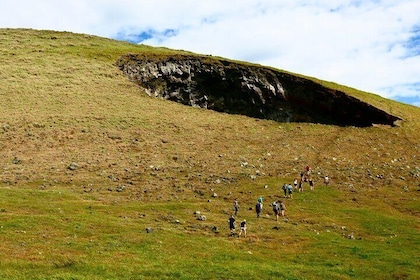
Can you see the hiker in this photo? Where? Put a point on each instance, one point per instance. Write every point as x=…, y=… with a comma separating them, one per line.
x=243, y=228
x=282, y=208
x=236, y=206
x=300, y=187
x=290, y=190
x=311, y=184
x=295, y=182
x=232, y=225
x=276, y=209
x=258, y=208
x=326, y=180
x=285, y=190
x=308, y=171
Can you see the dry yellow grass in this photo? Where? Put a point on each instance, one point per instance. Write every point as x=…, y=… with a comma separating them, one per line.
x=63, y=101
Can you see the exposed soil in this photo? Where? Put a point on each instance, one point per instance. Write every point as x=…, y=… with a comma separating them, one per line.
x=250, y=90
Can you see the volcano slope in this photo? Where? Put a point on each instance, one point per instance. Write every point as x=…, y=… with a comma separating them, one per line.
x=90, y=161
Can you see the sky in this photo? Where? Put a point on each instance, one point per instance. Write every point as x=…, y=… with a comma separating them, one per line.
x=370, y=45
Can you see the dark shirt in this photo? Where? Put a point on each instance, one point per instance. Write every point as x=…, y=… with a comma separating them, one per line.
x=232, y=223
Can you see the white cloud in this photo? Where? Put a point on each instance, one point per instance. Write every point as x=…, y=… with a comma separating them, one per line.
x=362, y=44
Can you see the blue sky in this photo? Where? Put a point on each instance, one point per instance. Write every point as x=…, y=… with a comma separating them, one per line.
x=371, y=45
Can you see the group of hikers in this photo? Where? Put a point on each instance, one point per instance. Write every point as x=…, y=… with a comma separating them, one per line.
x=279, y=207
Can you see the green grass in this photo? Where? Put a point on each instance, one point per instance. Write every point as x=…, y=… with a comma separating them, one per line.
x=60, y=234
x=63, y=100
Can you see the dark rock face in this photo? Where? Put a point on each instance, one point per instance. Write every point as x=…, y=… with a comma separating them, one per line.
x=253, y=91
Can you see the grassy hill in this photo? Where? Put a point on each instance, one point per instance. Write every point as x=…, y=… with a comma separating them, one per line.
x=89, y=162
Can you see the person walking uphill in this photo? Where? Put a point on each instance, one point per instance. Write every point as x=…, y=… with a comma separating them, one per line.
x=258, y=208
x=285, y=189
x=290, y=190
x=295, y=182
x=300, y=186
x=236, y=206
x=243, y=228
x=311, y=184
x=326, y=180
x=232, y=225
x=276, y=209
x=282, y=208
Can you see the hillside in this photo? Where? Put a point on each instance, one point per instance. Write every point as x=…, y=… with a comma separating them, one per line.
x=89, y=161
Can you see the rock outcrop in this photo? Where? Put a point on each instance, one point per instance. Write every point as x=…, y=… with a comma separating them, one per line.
x=251, y=90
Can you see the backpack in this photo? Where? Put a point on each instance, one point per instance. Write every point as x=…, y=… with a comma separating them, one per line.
x=275, y=207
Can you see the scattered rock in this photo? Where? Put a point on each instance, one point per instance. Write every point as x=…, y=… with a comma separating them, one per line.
x=73, y=166
x=120, y=188
x=16, y=160
x=114, y=137
x=38, y=125
x=6, y=127
x=199, y=192
x=201, y=218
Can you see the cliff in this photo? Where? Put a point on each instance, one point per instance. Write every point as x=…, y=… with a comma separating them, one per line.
x=250, y=90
